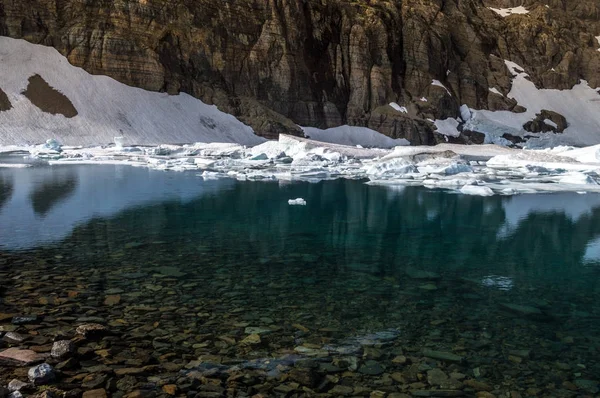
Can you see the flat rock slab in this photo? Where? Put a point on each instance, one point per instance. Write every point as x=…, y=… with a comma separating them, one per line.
x=15, y=356
x=442, y=356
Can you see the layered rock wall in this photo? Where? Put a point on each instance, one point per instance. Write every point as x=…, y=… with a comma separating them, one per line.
x=277, y=64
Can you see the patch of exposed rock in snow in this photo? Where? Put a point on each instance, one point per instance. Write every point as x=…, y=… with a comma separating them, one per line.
x=580, y=106
x=467, y=169
x=505, y=12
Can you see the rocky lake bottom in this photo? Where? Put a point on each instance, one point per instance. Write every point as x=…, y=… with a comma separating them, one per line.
x=126, y=282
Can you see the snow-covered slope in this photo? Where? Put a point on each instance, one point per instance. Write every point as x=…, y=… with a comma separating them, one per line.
x=580, y=106
x=106, y=108
x=353, y=135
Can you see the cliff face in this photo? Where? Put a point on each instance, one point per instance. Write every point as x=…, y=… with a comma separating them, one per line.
x=278, y=63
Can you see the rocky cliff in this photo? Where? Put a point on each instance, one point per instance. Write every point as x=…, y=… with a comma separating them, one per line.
x=276, y=64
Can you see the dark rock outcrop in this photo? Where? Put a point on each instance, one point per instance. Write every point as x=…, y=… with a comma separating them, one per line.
x=277, y=64
x=4, y=101
x=42, y=95
x=547, y=121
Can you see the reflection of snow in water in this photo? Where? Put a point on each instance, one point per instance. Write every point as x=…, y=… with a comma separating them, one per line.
x=592, y=251
x=497, y=282
x=571, y=204
x=99, y=191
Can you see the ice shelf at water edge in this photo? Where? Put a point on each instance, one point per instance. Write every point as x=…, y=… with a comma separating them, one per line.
x=473, y=170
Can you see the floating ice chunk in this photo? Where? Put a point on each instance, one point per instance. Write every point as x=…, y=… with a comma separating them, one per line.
x=448, y=169
x=577, y=178
x=328, y=154
x=476, y=190
x=14, y=165
x=53, y=145
x=261, y=156
x=398, y=107
x=309, y=159
x=215, y=149
x=449, y=183
x=395, y=167
x=297, y=202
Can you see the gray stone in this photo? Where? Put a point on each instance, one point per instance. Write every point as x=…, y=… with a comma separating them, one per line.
x=437, y=393
x=91, y=329
x=415, y=273
x=436, y=377
x=591, y=386
x=13, y=338
x=62, y=349
x=372, y=368
x=442, y=356
x=257, y=330
x=15, y=356
x=521, y=309
x=41, y=374
x=24, y=319
x=16, y=385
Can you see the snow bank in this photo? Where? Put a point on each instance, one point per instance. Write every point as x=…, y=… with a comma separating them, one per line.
x=351, y=135
x=505, y=12
x=105, y=107
x=473, y=170
x=579, y=105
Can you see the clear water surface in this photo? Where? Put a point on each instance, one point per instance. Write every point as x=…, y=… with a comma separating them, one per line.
x=477, y=275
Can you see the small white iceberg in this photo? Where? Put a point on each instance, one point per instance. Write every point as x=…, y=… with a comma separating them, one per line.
x=297, y=202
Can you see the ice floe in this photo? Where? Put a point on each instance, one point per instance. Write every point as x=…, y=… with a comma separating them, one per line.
x=482, y=170
x=297, y=202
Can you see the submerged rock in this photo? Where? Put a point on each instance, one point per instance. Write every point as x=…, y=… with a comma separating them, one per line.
x=371, y=368
x=62, y=349
x=41, y=374
x=18, y=357
x=442, y=356
x=525, y=310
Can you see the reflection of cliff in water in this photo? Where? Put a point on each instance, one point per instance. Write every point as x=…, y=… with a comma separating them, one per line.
x=60, y=185
x=350, y=226
x=6, y=189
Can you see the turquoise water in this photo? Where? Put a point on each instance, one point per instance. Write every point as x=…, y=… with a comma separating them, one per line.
x=478, y=275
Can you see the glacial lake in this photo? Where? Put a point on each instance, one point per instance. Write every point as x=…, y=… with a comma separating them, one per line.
x=509, y=284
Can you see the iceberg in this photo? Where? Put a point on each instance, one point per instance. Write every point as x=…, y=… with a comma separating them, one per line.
x=297, y=202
